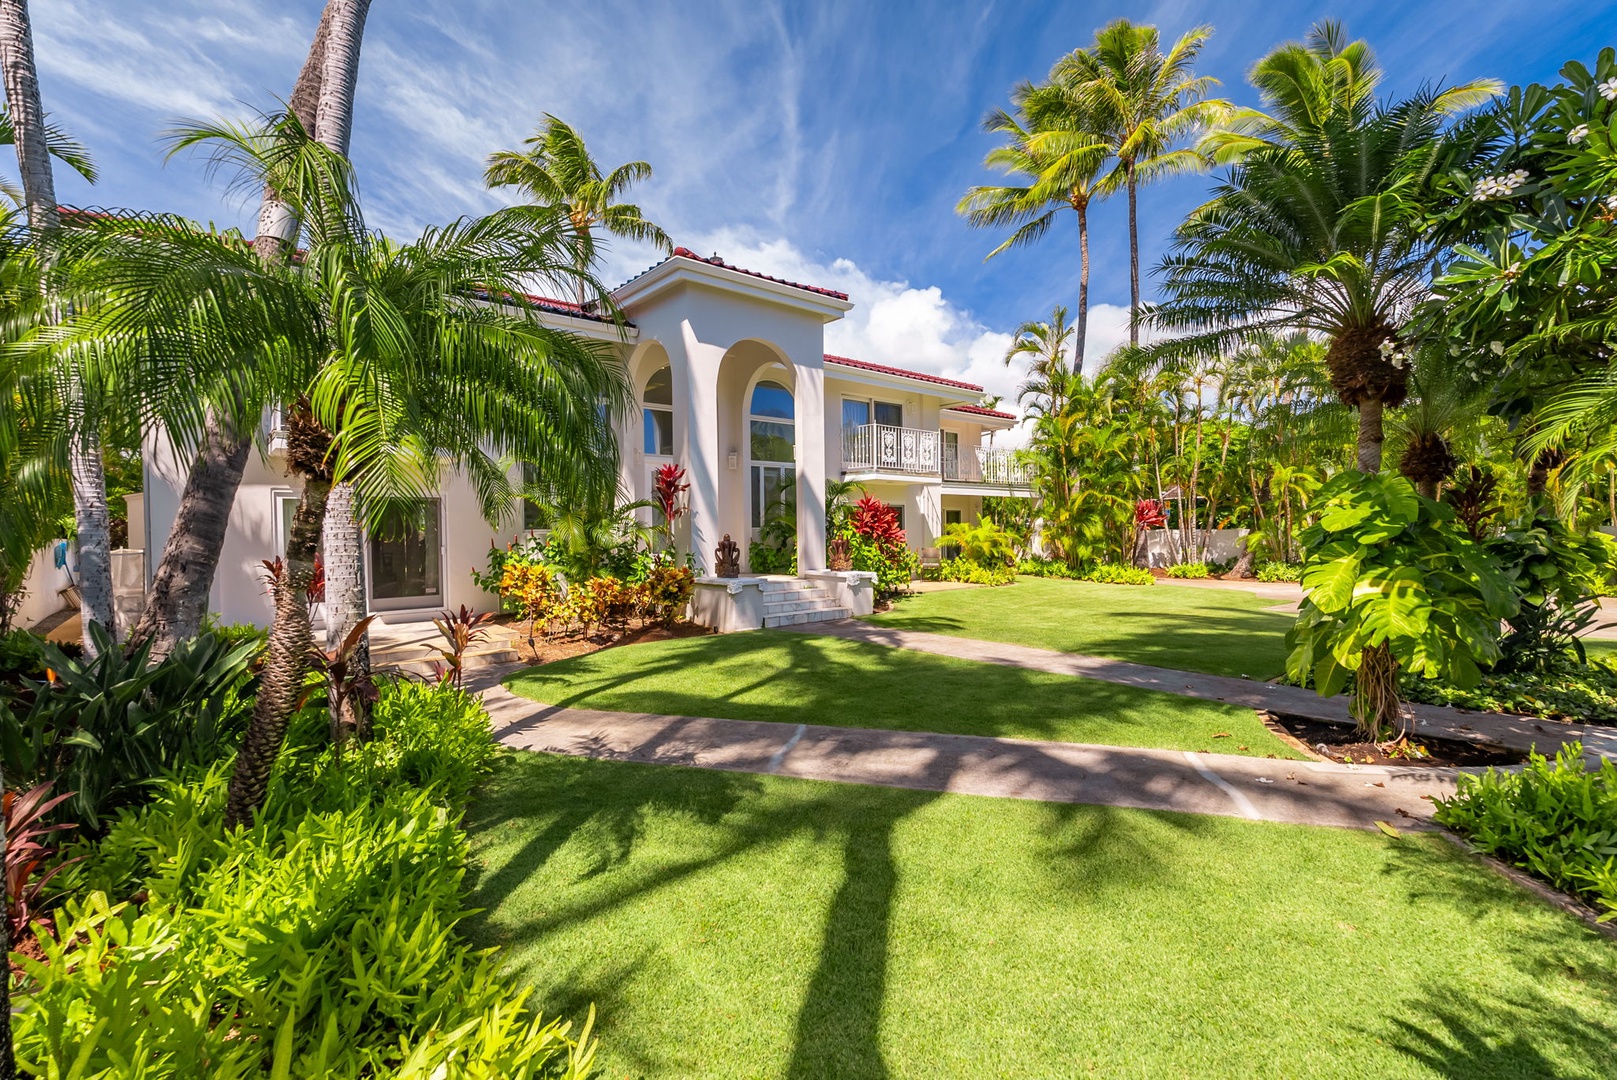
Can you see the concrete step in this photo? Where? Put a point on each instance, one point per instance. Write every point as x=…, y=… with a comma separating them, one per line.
x=774, y=585
x=787, y=607
x=801, y=617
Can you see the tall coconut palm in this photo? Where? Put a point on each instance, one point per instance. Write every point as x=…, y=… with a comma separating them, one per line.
x=1326, y=235
x=1062, y=174
x=39, y=193
x=1147, y=104
x=557, y=171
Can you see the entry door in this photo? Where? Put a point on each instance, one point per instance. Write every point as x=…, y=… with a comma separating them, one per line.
x=406, y=556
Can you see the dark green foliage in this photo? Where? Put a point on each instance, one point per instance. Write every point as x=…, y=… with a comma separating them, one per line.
x=320, y=941
x=764, y=559
x=1564, y=689
x=1390, y=575
x=1557, y=822
x=1556, y=574
x=104, y=729
x=19, y=654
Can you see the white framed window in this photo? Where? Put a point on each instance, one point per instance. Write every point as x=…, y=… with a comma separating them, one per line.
x=405, y=553
x=657, y=414
x=772, y=445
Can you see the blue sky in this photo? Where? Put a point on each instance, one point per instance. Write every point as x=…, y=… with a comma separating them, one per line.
x=824, y=141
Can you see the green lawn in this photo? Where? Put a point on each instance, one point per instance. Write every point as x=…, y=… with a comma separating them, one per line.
x=728, y=925
x=800, y=678
x=1216, y=631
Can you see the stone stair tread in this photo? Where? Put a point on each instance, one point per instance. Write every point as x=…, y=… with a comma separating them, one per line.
x=799, y=617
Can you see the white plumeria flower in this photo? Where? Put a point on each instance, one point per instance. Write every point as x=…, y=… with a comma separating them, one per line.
x=1610, y=202
x=1608, y=89
x=1578, y=134
x=1497, y=187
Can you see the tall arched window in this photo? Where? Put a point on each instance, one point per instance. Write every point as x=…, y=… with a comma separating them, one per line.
x=773, y=433
x=658, y=416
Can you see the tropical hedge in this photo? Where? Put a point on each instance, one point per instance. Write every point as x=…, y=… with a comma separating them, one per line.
x=321, y=941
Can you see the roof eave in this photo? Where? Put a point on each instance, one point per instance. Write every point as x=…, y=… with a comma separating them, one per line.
x=678, y=270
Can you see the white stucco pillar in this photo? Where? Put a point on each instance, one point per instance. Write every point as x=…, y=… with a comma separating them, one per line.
x=810, y=395
x=696, y=448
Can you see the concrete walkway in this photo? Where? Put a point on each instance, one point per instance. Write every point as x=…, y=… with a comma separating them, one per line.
x=1260, y=789
x=1497, y=729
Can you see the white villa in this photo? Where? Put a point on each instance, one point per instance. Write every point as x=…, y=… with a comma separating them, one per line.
x=733, y=383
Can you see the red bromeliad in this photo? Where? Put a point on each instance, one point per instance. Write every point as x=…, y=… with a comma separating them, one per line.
x=1150, y=514
x=666, y=489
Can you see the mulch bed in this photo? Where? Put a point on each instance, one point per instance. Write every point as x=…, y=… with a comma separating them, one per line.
x=1335, y=742
x=565, y=648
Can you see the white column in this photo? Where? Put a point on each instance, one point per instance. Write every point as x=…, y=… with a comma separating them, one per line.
x=810, y=431
x=696, y=423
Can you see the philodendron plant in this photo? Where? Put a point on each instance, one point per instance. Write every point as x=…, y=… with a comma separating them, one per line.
x=1392, y=584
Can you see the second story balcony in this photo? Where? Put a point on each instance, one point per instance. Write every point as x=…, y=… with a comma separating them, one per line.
x=986, y=465
x=870, y=448
x=929, y=453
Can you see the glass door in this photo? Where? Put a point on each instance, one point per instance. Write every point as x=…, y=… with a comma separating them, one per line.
x=406, y=556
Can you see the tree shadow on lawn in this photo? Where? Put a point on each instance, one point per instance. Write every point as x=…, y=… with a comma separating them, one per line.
x=888, y=688
x=604, y=808
x=1462, y=1034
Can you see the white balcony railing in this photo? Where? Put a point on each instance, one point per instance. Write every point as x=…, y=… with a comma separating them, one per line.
x=986, y=465
x=883, y=448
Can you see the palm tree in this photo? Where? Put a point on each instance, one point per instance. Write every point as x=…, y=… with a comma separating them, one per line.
x=88, y=483
x=1146, y=102
x=1047, y=347
x=556, y=171
x=1324, y=234
x=394, y=364
x=1303, y=84
x=1061, y=174
x=183, y=576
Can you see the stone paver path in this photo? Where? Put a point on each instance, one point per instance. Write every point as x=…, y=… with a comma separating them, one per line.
x=1499, y=729
x=1260, y=789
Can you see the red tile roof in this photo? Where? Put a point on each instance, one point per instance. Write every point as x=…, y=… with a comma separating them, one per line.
x=885, y=370
x=978, y=410
x=687, y=253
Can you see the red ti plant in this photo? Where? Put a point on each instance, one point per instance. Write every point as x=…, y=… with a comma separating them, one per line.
x=349, y=686
x=666, y=490
x=1149, y=514
x=275, y=570
x=26, y=852
x=461, y=630
x=875, y=520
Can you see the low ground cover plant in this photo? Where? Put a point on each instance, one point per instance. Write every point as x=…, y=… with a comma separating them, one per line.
x=1565, y=690
x=1558, y=821
x=1280, y=571
x=1100, y=573
x=971, y=573
x=1189, y=570
x=322, y=940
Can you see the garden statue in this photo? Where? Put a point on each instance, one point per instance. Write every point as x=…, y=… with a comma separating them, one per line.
x=837, y=557
x=727, y=558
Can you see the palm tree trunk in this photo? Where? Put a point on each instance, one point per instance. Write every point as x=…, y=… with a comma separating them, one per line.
x=334, y=120
x=39, y=195
x=285, y=660
x=1134, y=258
x=345, y=598
x=277, y=227
x=1081, y=327
x=1370, y=435
x=183, y=580
x=345, y=588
